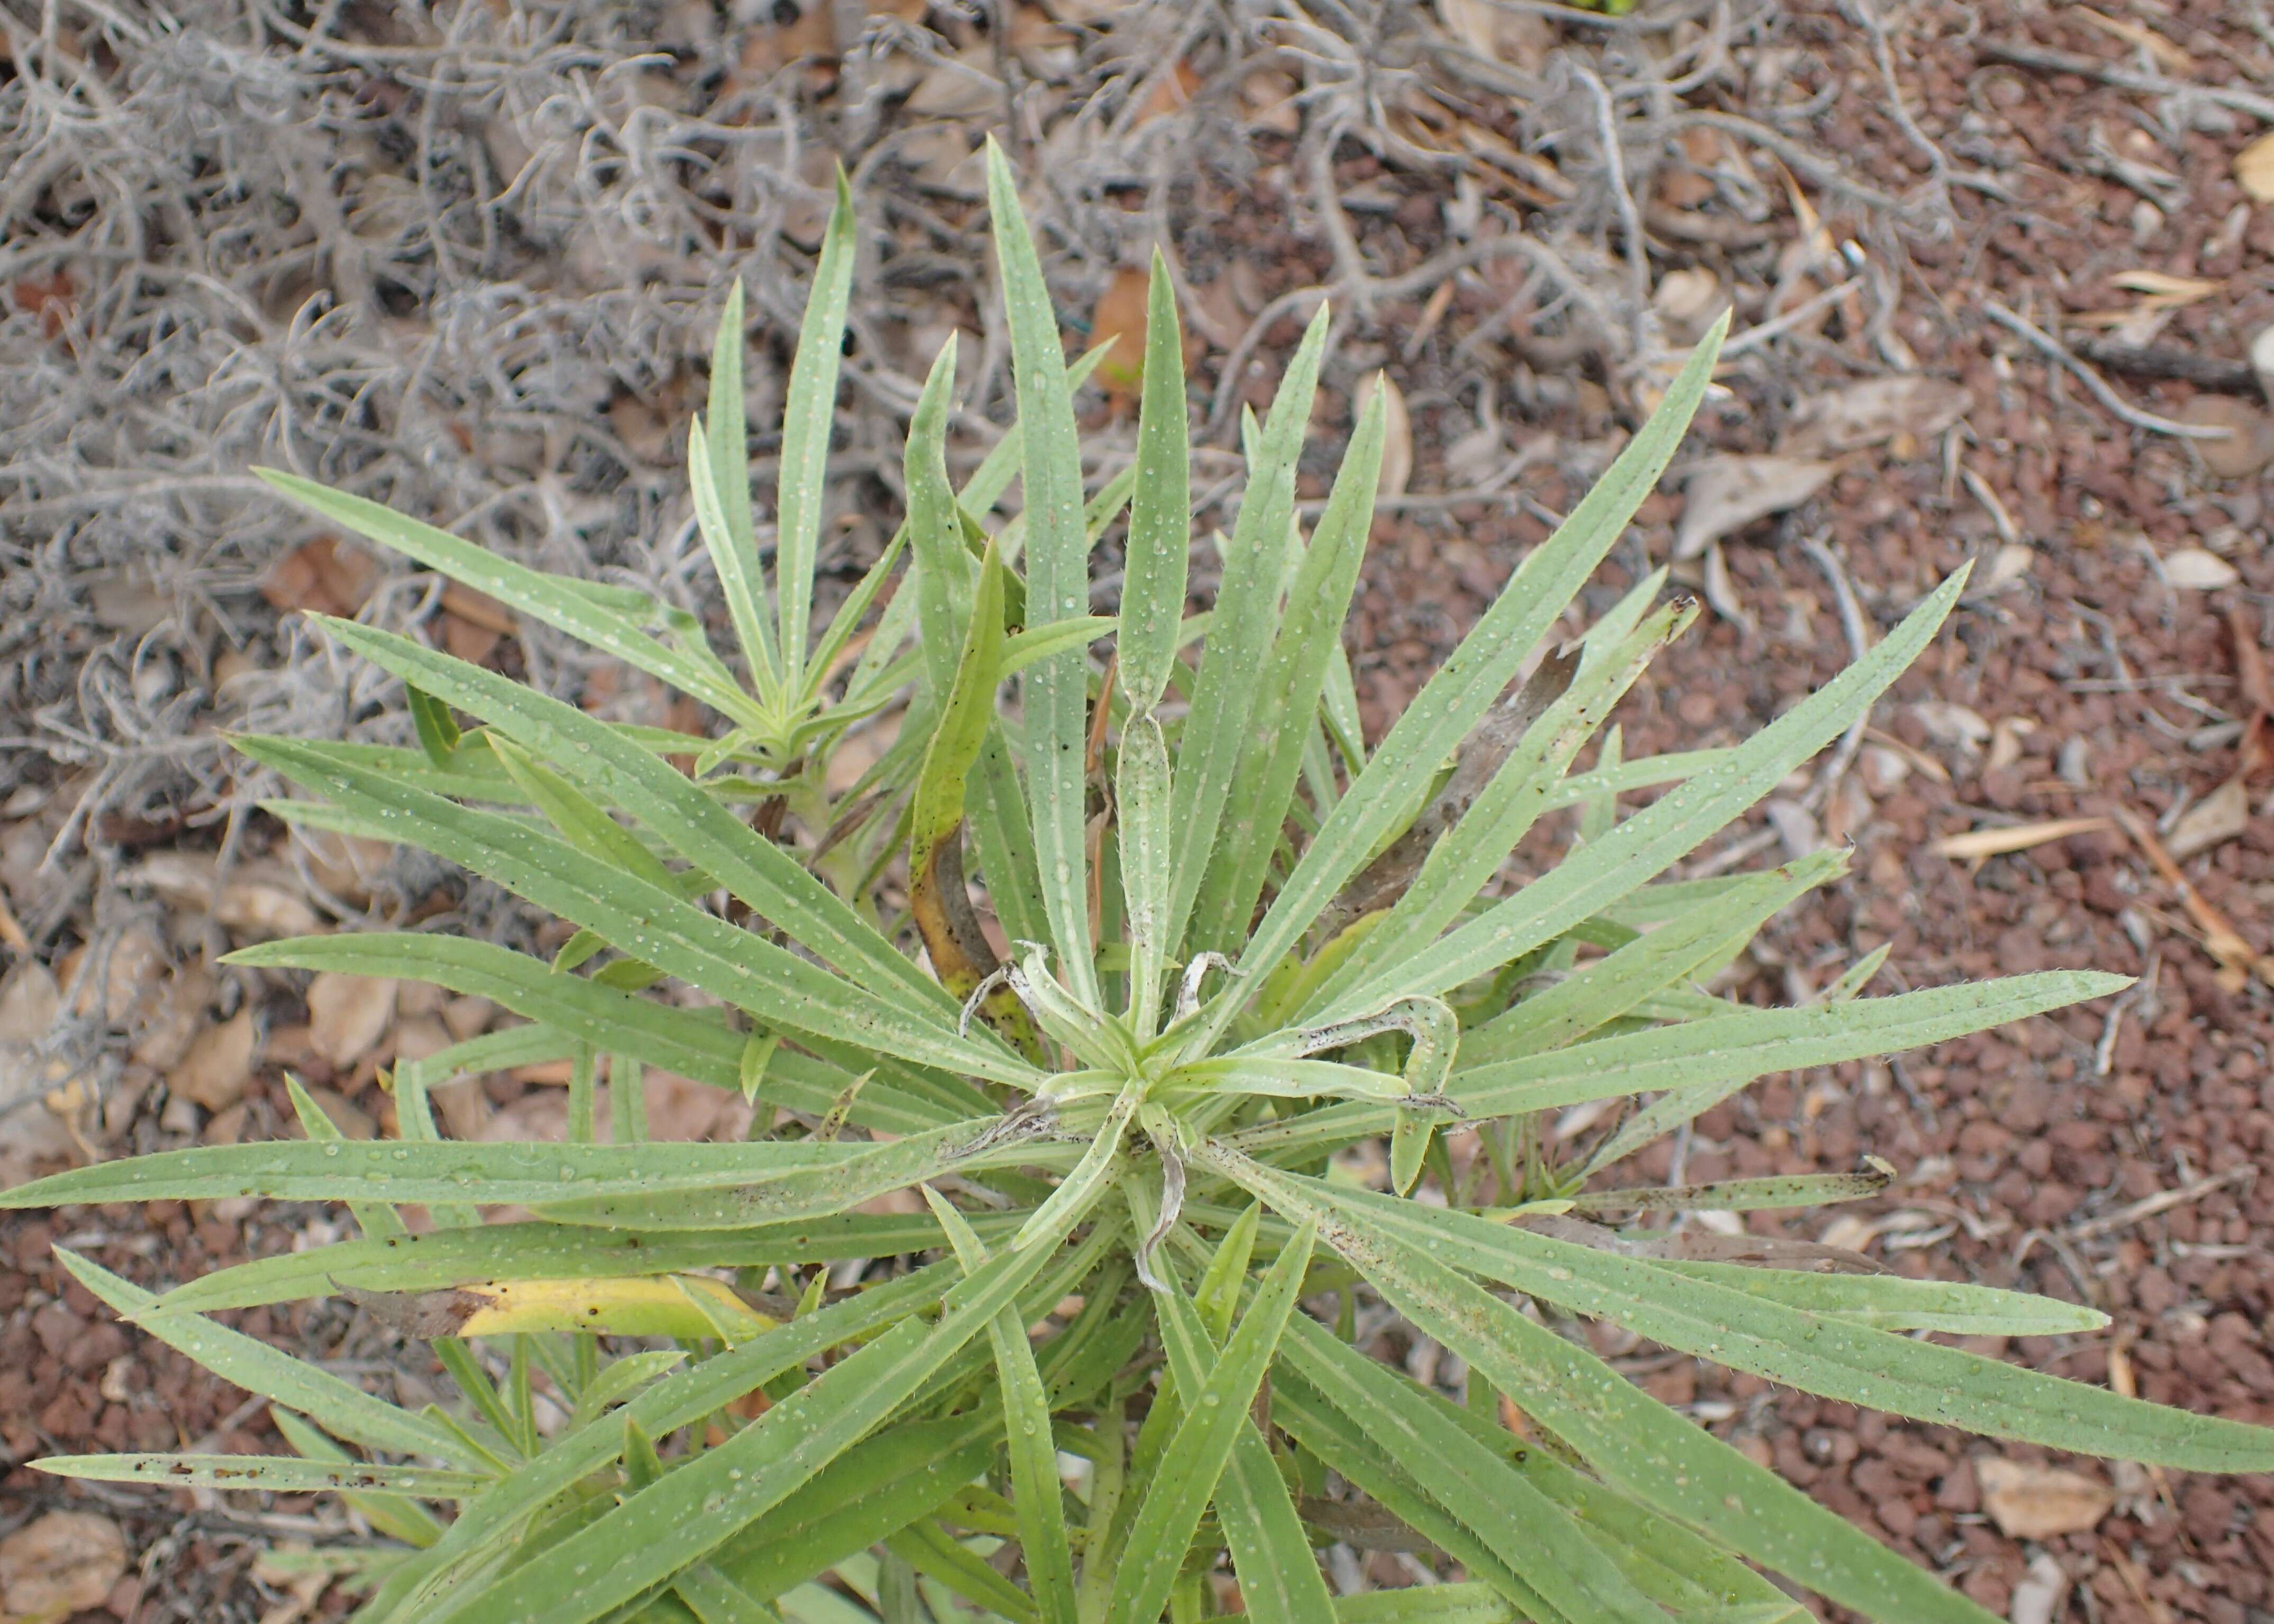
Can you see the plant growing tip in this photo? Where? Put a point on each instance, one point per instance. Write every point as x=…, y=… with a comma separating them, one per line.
x=1160, y=925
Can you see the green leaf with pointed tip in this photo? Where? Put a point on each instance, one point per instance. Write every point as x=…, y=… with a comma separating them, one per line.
x=1026, y=1430
x=1215, y=1416
x=1279, y=1578
x=576, y=1011
x=1523, y=1534
x=1671, y=826
x=742, y=968
x=1042, y=643
x=1725, y=1052
x=809, y=417
x=342, y=1409
x=967, y=710
x=902, y=1473
x=927, y=1548
x=1241, y=629
x=946, y=574
x=718, y=470
x=1463, y=860
x=1633, y=1442
x=1891, y=1302
x=617, y=771
x=276, y=1474
x=437, y=728
x=698, y=1506
x=541, y=597
x=1160, y=510
x=1615, y=984
x=568, y=1177
x=1472, y=676
x=536, y=1250
x=392, y=1514
x=1057, y=579
x=1275, y=722
x=1144, y=801
x=1822, y=1356
x=579, y=821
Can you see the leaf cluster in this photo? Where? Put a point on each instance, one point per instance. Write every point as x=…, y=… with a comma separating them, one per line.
x=1124, y=955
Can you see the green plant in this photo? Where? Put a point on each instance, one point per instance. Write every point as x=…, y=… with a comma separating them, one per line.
x=1242, y=946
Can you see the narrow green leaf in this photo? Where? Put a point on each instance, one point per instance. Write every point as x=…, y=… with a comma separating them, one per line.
x=808, y=416
x=1635, y=1443
x=718, y=470
x=617, y=770
x=541, y=597
x=1471, y=677
x=573, y=1011
x=1615, y=984
x=741, y=967
x=1523, y=1534
x=1860, y=1365
x=696, y=1507
x=1671, y=826
x=1202, y=1446
x=1026, y=1430
x=1057, y=580
x=1276, y=722
x=1144, y=797
x=1241, y=627
x=1160, y=510
x=1464, y=861
x=342, y=1408
x=1725, y=1052
x=1891, y=1302
x=276, y=1474
x=926, y=1547
x=1279, y=1577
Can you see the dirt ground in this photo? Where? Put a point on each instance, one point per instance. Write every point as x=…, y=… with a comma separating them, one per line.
x=1993, y=266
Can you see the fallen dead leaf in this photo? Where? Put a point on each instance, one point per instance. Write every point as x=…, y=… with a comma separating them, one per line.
x=959, y=86
x=1871, y=412
x=1398, y=435
x=2238, y=960
x=323, y=577
x=1726, y=493
x=2040, y=1593
x=166, y=1029
x=2009, y=568
x=219, y=1064
x=64, y=1562
x=2040, y=1503
x=2020, y=838
x=2161, y=287
x=1120, y=318
x=2218, y=816
x=1953, y=726
x=1688, y=300
x=349, y=1014
x=258, y=899
x=2248, y=445
x=2195, y=570
x=2254, y=168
